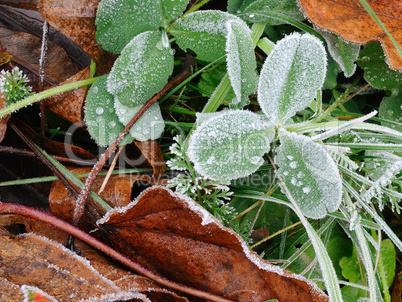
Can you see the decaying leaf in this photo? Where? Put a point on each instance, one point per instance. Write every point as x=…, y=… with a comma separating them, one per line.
x=76, y=20
x=25, y=49
x=173, y=236
x=117, y=193
x=35, y=265
x=69, y=105
x=153, y=153
x=51, y=146
x=4, y=119
x=348, y=19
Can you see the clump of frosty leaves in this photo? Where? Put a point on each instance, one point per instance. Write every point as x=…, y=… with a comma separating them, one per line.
x=231, y=144
x=211, y=194
x=13, y=85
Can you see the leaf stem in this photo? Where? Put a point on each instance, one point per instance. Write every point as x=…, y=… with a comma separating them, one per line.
x=45, y=94
x=7, y=208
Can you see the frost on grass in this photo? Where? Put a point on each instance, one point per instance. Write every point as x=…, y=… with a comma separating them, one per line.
x=344, y=53
x=309, y=173
x=291, y=76
x=149, y=126
x=100, y=116
x=230, y=145
x=241, y=63
x=119, y=21
x=204, y=33
x=142, y=69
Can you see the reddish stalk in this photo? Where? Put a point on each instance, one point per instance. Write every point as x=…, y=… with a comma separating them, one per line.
x=8, y=208
x=79, y=209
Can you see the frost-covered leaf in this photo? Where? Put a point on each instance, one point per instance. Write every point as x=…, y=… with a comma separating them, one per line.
x=118, y=21
x=241, y=63
x=204, y=33
x=388, y=257
x=345, y=54
x=149, y=126
x=275, y=12
x=101, y=119
x=309, y=173
x=179, y=239
x=291, y=75
x=142, y=69
x=391, y=110
x=172, y=9
x=376, y=71
x=230, y=144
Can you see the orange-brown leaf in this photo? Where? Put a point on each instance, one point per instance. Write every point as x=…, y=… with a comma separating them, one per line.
x=175, y=237
x=69, y=105
x=152, y=152
x=43, y=267
x=116, y=193
x=76, y=20
x=25, y=50
x=348, y=19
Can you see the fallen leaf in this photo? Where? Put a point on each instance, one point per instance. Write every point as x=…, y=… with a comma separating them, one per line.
x=69, y=105
x=176, y=238
x=25, y=50
x=117, y=193
x=348, y=19
x=124, y=279
x=152, y=152
x=43, y=267
x=51, y=146
x=76, y=20
x=4, y=119
x=396, y=290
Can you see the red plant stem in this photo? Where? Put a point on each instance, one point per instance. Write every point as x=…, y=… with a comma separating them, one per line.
x=9, y=208
x=80, y=205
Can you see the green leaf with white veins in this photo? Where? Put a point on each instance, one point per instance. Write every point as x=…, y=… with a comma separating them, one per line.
x=148, y=127
x=309, y=173
x=100, y=116
x=142, y=69
x=241, y=63
x=204, y=32
x=291, y=75
x=230, y=144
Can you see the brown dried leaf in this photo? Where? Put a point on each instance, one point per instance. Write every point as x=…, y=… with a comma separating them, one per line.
x=51, y=146
x=117, y=193
x=348, y=19
x=125, y=280
x=69, y=105
x=4, y=119
x=153, y=153
x=25, y=49
x=76, y=20
x=176, y=238
x=396, y=292
x=37, y=261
